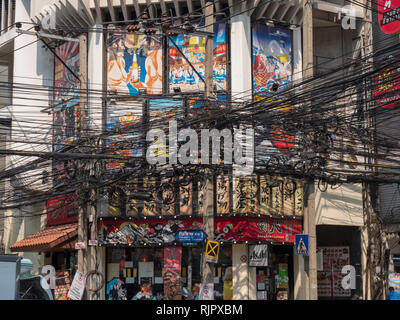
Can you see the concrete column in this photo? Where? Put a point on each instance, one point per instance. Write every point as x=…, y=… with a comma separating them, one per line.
x=298, y=276
x=240, y=271
x=298, y=261
x=10, y=13
x=252, y=283
x=3, y=15
x=96, y=81
x=241, y=54
x=297, y=55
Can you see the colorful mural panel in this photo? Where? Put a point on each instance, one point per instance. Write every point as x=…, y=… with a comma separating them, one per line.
x=125, y=122
x=67, y=113
x=134, y=62
x=181, y=74
x=66, y=85
x=272, y=59
x=272, y=74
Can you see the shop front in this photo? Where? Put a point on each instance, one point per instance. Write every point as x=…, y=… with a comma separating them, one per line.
x=145, y=259
x=337, y=247
x=273, y=266
x=57, y=243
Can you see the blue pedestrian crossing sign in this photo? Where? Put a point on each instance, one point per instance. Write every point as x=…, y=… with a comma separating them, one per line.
x=301, y=244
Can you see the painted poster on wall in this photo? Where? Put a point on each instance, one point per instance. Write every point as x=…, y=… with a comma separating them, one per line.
x=161, y=113
x=272, y=73
x=66, y=124
x=124, y=123
x=134, y=62
x=66, y=116
x=330, y=279
x=181, y=74
x=272, y=59
x=172, y=273
x=66, y=85
x=394, y=281
x=387, y=88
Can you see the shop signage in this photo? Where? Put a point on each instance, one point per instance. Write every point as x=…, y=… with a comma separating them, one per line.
x=301, y=244
x=80, y=245
x=190, y=244
x=387, y=87
x=77, y=286
x=212, y=251
x=190, y=236
x=256, y=195
x=61, y=211
x=389, y=16
x=93, y=243
x=258, y=255
x=226, y=229
x=206, y=291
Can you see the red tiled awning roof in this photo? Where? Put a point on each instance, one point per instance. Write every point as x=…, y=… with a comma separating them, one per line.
x=48, y=239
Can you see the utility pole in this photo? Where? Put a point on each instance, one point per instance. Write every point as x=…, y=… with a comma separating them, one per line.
x=309, y=192
x=83, y=208
x=208, y=214
x=209, y=21
x=366, y=48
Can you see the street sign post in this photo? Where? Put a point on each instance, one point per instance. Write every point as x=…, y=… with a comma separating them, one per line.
x=190, y=236
x=212, y=251
x=301, y=244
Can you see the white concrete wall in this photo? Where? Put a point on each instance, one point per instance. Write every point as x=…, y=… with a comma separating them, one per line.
x=32, y=70
x=342, y=206
x=241, y=55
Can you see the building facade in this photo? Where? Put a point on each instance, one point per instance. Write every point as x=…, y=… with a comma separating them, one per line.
x=133, y=81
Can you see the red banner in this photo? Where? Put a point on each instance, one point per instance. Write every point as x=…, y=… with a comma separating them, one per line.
x=229, y=229
x=172, y=273
x=62, y=211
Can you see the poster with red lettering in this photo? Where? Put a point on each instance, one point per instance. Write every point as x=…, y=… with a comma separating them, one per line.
x=389, y=16
x=172, y=273
x=387, y=88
